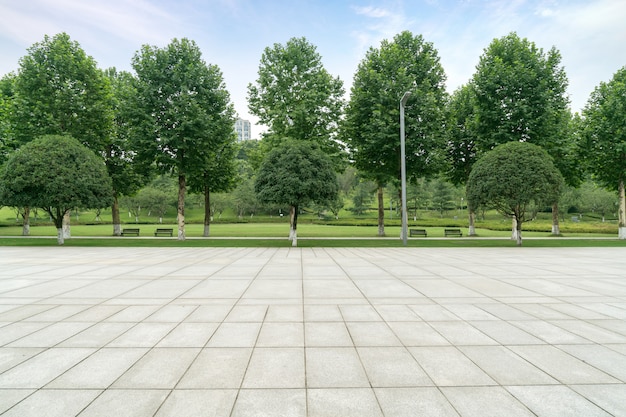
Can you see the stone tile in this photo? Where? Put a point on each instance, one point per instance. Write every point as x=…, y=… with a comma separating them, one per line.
x=189, y=335
x=590, y=331
x=561, y=366
x=318, y=334
x=447, y=366
x=10, y=397
x=555, y=401
x=506, y=367
x=549, y=333
x=198, y=403
x=10, y=357
x=485, y=402
x=126, y=403
x=217, y=368
x=270, y=403
x=601, y=357
x=609, y=397
x=505, y=333
x=57, y=313
x=51, y=335
x=275, y=368
x=392, y=367
x=247, y=314
x=171, y=314
x=461, y=333
x=359, y=313
x=143, y=335
x=99, y=370
x=235, y=335
x=160, y=368
x=43, y=368
x=397, y=313
x=403, y=402
x=53, y=403
x=329, y=288
x=344, y=402
x=334, y=368
x=133, y=314
x=95, y=313
x=417, y=334
x=287, y=313
x=313, y=313
x=209, y=313
x=274, y=288
x=372, y=334
x=281, y=335
x=97, y=335
x=430, y=313
x=470, y=312
x=15, y=331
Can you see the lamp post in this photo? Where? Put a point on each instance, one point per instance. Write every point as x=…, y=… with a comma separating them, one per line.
x=404, y=233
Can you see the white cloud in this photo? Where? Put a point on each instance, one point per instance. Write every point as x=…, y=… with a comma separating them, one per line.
x=369, y=11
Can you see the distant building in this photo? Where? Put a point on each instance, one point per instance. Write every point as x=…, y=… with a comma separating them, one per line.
x=242, y=127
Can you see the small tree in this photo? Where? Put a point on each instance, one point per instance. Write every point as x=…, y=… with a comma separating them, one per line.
x=296, y=173
x=55, y=173
x=514, y=178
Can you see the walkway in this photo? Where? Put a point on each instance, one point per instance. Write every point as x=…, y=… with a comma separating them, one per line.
x=312, y=332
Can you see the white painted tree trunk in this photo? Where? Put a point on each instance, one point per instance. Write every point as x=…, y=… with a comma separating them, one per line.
x=117, y=229
x=472, y=220
x=514, y=230
x=26, y=224
x=381, y=211
x=622, y=211
x=60, y=236
x=182, y=187
x=67, y=231
x=292, y=217
x=294, y=239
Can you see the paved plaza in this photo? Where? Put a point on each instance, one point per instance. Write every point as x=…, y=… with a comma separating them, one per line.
x=115, y=332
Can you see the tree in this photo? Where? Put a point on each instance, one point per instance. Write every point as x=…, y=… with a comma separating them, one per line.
x=597, y=199
x=56, y=173
x=521, y=95
x=371, y=126
x=604, y=138
x=514, y=178
x=185, y=110
x=295, y=97
x=296, y=173
x=7, y=91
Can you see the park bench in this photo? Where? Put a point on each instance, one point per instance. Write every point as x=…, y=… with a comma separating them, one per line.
x=453, y=232
x=128, y=232
x=417, y=232
x=164, y=232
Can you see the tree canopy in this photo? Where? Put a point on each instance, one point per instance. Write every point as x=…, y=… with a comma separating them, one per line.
x=296, y=173
x=295, y=97
x=57, y=174
x=604, y=138
x=515, y=178
x=59, y=90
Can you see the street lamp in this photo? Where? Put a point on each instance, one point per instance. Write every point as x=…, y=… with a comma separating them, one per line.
x=404, y=233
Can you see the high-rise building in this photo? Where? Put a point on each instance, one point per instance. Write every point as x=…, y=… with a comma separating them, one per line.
x=242, y=127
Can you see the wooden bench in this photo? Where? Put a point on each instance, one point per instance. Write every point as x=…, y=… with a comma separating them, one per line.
x=164, y=232
x=128, y=232
x=418, y=232
x=453, y=232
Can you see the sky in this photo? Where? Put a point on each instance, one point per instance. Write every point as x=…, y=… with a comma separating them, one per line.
x=232, y=34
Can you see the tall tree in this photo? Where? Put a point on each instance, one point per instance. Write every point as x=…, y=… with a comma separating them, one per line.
x=514, y=178
x=184, y=108
x=59, y=90
x=371, y=128
x=520, y=95
x=56, y=173
x=296, y=173
x=295, y=97
x=7, y=91
x=604, y=138
x=118, y=153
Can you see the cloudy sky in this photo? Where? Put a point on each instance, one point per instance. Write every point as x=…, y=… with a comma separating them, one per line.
x=590, y=34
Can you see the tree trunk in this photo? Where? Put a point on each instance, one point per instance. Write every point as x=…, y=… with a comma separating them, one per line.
x=519, y=231
x=381, y=211
x=26, y=223
x=67, y=231
x=556, y=231
x=292, y=219
x=59, y=219
x=207, y=212
x=514, y=229
x=115, y=214
x=182, y=187
x=472, y=221
x=294, y=240
x=622, y=211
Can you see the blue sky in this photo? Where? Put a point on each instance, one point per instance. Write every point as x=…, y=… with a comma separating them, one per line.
x=590, y=34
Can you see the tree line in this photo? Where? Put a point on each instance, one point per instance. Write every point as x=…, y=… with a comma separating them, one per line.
x=173, y=116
